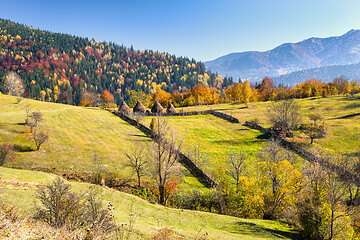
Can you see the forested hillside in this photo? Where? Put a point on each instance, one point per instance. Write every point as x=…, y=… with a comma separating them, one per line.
x=61, y=68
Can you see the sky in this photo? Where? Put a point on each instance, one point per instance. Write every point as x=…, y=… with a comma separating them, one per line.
x=199, y=29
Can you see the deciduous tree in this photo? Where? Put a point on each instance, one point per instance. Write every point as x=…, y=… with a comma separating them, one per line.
x=137, y=161
x=14, y=84
x=106, y=97
x=285, y=116
x=236, y=163
x=164, y=153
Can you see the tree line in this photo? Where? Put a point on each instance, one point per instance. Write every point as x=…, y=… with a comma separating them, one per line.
x=61, y=68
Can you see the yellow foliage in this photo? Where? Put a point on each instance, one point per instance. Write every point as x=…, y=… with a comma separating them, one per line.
x=42, y=95
x=139, y=82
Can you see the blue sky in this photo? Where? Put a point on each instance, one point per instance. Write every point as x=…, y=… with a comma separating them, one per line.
x=198, y=29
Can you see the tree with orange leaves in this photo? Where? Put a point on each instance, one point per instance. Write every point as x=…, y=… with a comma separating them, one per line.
x=106, y=98
x=163, y=97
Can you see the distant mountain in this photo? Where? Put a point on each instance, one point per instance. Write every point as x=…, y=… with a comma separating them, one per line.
x=290, y=57
x=326, y=74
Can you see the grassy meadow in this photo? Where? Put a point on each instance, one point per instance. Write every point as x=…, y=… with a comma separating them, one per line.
x=76, y=134
x=215, y=137
x=340, y=113
x=19, y=186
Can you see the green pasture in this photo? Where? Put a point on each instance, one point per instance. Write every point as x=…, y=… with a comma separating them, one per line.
x=76, y=134
x=20, y=190
x=340, y=113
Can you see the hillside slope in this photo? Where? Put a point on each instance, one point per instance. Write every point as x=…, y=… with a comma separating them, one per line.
x=19, y=189
x=61, y=68
x=290, y=57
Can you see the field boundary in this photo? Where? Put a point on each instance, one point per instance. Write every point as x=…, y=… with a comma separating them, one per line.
x=224, y=116
x=344, y=174
x=183, y=159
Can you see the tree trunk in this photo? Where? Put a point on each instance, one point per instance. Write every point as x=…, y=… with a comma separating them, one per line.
x=332, y=225
x=139, y=182
x=162, y=195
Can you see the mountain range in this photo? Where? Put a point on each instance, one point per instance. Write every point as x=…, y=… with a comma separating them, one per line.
x=323, y=56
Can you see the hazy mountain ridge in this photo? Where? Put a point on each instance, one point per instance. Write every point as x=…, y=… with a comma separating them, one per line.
x=326, y=74
x=290, y=57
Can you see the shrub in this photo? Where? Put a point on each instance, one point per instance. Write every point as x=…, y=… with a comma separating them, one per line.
x=59, y=205
x=62, y=208
x=6, y=153
x=95, y=214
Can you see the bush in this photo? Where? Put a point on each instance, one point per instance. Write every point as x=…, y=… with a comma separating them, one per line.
x=95, y=214
x=59, y=206
x=6, y=153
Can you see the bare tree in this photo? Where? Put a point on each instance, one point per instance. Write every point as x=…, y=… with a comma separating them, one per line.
x=236, y=163
x=315, y=117
x=199, y=157
x=27, y=110
x=352, y=166
x=136, y=161
x=39, y=138
x=98, y=169
x=36, y=117
x=14, y=84
x=285, y=116
x=164, y=153
x=334, y=193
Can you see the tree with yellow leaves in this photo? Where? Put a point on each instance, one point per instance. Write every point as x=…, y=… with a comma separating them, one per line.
x=163, y=97
x=279, y=180
x=246, y=92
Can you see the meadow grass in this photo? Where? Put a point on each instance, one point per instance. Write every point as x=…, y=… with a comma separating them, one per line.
x=76, y=134
x=149, y=217
x=215, y=137
x=340, y=113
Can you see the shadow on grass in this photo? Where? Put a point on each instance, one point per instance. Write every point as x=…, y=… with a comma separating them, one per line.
x=237, y=142
x=352, y=98
x=138, y=135
x=354, y=154
x=348, y=116
x=253, y=229
x=22, y=148
x=314, y=98
x=353, y=105
x=264, y=136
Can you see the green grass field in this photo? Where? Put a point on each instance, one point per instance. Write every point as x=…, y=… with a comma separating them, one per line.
x=75, y=135
x=20, y=189
x=215, y=137
x=340, y=113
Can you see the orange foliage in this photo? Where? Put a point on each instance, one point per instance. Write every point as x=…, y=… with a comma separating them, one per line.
x=106, y=97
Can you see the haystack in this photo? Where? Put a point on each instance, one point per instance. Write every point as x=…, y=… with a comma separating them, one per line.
x=170, y=109
x=157, y=108
x=124, y=108
x=139, y=108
